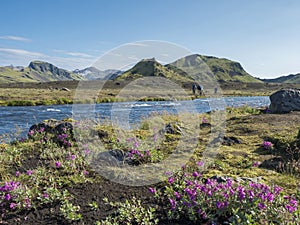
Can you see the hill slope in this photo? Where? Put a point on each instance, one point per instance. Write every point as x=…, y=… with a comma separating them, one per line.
x=205, y=68
x=290, y=79
x=150, y=67
x=37, y=71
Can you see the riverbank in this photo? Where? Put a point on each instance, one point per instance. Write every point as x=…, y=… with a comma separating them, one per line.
x=53, y=179
x=64, y=92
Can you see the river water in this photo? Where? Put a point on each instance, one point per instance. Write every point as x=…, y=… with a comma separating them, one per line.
x=17, y=120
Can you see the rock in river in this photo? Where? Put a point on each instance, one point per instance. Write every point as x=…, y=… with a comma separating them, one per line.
x=285, y=101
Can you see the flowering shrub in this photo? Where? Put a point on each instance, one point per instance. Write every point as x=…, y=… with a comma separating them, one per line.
x=64, y=139
x=37, y=134
x=14, y=196
x=142, y=152
x=188, y=194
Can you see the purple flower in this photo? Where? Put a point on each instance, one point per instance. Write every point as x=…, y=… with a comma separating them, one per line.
x=256, y=164
x=177, y=195
x=171, y=180
x=251, y=194
x=168, y=173
x=17, y=173
x=57, y=164
x=46, y=195
x=277, y=190
x=267, y=145
x=7, y=197
x=136, y=144
x=261, y=206
x=203, y=215
x=191, y=193
x=220, y=205
x=188, y=183
x=200, y=163
x=270, y=197
x=241, y=193
x=196, y=174
x=12, y=205
x=204, y=120
x=173, y=203
x=31, y=132
x=87, y=151
x=290, y=208
x=85, y=172
x=42, y=129
x=148, y=153
x=152, y=190
x=29, y=172
x=27, y=203
x=73, y=157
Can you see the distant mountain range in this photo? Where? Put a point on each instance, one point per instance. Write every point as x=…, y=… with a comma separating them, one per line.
x=186, y=69
x=92, y=73
x=289, y=79
x=37, y=71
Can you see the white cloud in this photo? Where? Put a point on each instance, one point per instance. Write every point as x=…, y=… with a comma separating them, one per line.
x=133, y=58
x=113, y=54
x=21, y=57
x=15, y=38
x=137, y=44
x=76, y=54
x=20, y=52
x=70, y=63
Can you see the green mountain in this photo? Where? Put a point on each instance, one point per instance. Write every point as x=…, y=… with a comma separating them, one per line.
x=150, y=67
x=209, y=68
x=290, y=79
x=11, y=75
x=37, y=71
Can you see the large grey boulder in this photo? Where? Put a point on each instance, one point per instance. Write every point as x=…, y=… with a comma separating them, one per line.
x=285, y=100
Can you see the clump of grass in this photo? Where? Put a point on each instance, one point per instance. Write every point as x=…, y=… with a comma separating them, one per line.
x=130, y=212
x=244, y=110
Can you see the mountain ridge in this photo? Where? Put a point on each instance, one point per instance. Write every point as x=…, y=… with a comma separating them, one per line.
x=37, y=71
x=208, y=68
x=288, y=79
x=190, y=68
x=152, y=68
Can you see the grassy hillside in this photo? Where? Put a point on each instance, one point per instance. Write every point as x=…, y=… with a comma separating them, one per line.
x=152, y=68
x=37, y=71
x=290, y=79
x=207, y=68
x=8, y=75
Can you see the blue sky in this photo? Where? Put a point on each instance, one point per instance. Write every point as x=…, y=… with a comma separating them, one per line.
x=261, y=34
